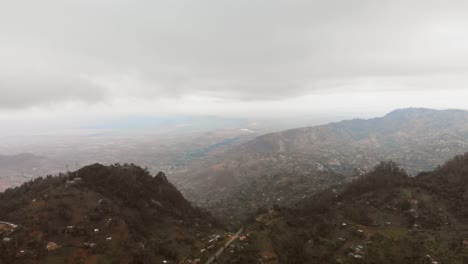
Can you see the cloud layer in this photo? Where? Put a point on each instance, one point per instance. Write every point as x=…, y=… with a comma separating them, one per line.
x=56, y=51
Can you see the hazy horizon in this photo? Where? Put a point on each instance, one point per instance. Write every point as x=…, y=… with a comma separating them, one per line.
x=233, y=131
x=68, y=64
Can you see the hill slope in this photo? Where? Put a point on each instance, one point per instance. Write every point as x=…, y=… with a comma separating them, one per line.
x=101, y=214
x=417, y=139
x=383, y=217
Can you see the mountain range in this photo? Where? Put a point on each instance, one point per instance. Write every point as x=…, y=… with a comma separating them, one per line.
x=417, y=139
x=123, y=214
x=323, y=194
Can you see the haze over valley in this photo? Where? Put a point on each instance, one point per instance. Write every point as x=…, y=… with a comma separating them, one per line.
x=224, y=132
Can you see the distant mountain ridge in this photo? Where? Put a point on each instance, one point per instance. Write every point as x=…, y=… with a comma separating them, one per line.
x=417, y=139
x=400, y=135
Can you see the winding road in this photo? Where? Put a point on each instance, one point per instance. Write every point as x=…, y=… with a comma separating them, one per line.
x=221, y=250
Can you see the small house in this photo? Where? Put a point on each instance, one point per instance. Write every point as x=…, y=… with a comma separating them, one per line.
x=52, y=246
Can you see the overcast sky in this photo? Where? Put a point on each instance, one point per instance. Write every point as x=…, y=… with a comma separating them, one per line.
x=243, y=58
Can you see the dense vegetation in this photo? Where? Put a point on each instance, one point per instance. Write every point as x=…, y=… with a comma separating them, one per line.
x=108, y=214
x=385, y=216
x=123, y=214
x=451, y=182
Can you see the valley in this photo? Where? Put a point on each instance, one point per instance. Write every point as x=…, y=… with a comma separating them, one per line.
x=309, y=195
x=233, y=132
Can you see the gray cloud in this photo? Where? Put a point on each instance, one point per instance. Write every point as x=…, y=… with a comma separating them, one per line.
x=52, y=51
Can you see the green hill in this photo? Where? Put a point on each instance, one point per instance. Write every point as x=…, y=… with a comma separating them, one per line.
x=101, y=214
x=385, y=216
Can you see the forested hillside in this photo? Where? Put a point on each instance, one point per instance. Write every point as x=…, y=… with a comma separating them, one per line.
x=385, y=216
x=101, y=214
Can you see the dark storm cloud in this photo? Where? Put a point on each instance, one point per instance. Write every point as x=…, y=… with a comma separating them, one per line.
x=52, y=51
